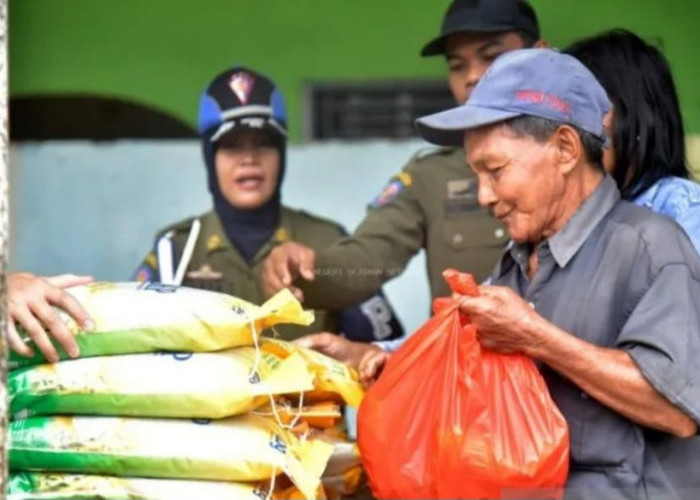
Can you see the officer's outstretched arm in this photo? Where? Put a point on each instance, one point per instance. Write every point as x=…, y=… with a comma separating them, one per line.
x=393, y=231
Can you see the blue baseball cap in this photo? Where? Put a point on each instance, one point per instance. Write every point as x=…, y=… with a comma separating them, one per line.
x=534, y=82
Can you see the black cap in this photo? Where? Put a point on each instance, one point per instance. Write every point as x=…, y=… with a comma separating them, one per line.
x=484, y=16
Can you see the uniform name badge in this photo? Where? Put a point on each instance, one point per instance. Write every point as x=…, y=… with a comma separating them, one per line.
x=461, y=197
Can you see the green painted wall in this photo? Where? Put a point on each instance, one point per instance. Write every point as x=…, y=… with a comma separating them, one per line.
x=162, y=52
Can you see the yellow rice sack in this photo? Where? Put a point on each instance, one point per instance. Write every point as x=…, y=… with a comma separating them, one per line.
x=59, y=486
x=146, y=317
x=333, y=380
x=244, y=448
x=199, y=385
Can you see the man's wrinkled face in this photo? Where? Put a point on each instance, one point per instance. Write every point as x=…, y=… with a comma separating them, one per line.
x=469, y=55
x=519, y=182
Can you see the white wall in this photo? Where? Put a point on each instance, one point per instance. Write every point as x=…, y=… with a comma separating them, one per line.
x=93, y=208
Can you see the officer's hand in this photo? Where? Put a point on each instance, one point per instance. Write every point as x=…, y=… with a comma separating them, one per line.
x=337, y=347
x=371, y=366
x=30, y=303
x=285, y=264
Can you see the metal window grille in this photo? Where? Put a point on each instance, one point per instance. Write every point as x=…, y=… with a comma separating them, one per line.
x=371, y=110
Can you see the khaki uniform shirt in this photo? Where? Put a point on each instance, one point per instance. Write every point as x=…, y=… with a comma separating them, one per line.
x=216, y=265
x=431, y=205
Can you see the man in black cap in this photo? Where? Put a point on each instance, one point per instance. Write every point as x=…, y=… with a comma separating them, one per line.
x=243, y=128
x=431, y=204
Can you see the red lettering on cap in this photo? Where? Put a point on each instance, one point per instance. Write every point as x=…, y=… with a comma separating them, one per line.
x=538, y=97
x=529, y=96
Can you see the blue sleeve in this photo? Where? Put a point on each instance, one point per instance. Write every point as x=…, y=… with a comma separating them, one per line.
x=678, y=199
x=681, y=201
x=391, y=345
x=689, y=220
x=372, y=320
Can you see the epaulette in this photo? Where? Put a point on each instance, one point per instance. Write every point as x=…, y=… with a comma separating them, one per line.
x=316, y=219
x=182, y=226
x=431, y=151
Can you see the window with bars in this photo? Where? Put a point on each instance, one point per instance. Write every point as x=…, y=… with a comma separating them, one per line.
x=371, y=110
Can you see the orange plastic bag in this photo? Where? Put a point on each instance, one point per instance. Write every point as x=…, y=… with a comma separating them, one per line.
x=448, y=419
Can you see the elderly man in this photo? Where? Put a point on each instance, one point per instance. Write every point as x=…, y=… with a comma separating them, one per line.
x=603, y=294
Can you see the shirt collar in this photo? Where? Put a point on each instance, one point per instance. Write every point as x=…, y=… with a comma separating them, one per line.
x=568, y=240
x=215, y=239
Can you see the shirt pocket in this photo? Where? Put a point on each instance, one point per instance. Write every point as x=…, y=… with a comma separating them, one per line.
x=471, y=229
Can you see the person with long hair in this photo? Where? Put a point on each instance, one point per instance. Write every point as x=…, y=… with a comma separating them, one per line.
x=647, y=154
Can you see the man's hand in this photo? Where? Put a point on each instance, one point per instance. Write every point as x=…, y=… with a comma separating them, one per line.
x=337, y=347
x=371, y=365
x=30, y=304
x=286, y=263
x=504, y=321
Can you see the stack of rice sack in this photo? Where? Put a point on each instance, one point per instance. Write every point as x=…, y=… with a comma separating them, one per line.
x=176, y=396
x=335, y=384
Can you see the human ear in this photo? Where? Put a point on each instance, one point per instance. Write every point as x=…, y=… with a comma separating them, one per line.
x=568, y=148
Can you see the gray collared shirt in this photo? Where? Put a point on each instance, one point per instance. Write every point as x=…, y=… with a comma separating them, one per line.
x=619, y=276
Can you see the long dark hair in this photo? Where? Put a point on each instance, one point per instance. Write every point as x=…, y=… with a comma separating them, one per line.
x=648, y=133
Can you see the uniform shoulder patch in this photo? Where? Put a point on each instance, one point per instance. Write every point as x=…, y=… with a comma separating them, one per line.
x=143, y=274
x=392, y=189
